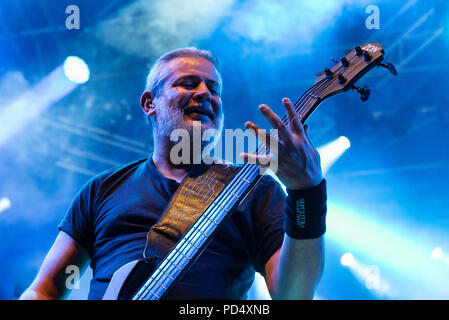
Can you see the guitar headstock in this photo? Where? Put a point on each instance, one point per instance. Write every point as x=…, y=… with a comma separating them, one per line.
x=351, y=68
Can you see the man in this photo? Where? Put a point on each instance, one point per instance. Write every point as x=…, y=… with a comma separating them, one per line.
x=109, y=218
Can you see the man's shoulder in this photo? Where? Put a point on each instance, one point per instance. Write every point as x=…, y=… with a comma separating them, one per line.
x=115, y=173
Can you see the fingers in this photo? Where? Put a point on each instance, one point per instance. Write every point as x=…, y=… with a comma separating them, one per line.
x=263, y=136
x=295, y=125
x=262, y=161
x=293, y=117
x=276, y=122
x=306, y=131
x=287, y=135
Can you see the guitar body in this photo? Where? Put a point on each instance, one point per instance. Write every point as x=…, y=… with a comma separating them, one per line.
x=127, y=280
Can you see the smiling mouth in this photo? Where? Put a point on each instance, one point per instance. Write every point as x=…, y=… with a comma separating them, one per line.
x=199, y=111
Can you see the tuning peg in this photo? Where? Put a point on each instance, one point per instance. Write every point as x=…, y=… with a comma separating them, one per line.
x=319, y=74
x=366, y=56
x=390, y=68
x=328, y=72
x=358, y=51
x=344, y=62
x=364, y=92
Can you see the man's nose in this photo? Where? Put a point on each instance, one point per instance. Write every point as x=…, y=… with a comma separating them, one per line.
x=202, y=93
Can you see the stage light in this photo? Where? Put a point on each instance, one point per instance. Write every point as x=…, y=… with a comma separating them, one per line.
x=347, y=259
x=364, y=235
x=5, y=204
x=399, y=251
x=436, y=253
x=330, y=152
x=369, y=275
x=344, y=142
x=76, y=70
x=15, y=115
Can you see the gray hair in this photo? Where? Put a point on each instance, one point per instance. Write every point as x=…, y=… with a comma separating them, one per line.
x=158, y=72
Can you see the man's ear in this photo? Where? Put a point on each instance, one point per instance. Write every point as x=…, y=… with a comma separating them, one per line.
x=146, y=101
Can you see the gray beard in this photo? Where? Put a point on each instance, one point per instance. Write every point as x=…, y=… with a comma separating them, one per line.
x=199, y=146
x=173, y=119
x=170, y=120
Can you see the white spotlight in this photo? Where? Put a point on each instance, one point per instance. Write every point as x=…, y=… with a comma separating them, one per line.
x=436, y=253
x=344, y=142
x=347, y=259
x=331, y=151
x=5, y=203
x=76, y=70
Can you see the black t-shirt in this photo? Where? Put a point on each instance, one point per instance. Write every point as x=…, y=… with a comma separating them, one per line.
x=111, y=215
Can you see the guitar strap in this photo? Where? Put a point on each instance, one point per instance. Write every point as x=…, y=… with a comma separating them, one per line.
x=192, y=198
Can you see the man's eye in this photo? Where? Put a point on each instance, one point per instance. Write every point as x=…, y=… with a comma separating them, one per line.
x=214, y=90
x=187, y=84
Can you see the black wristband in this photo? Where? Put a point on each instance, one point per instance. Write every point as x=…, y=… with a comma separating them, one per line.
x=305, y=212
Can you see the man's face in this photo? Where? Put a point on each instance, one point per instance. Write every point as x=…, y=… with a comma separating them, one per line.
x=190, y=93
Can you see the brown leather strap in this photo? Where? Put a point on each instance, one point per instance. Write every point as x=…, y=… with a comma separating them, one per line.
x=192, y=198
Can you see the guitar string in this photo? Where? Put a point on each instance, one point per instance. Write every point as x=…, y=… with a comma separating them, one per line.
x=296, y=104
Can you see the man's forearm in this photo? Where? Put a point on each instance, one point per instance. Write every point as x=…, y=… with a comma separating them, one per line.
x=30, y=294
x=299, y=268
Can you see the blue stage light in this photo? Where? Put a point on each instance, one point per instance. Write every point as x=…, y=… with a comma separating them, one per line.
x=28, y=106
x=399, y=250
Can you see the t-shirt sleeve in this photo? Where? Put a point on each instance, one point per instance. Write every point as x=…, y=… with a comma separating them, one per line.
x=77, y=221
x=267, y=216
